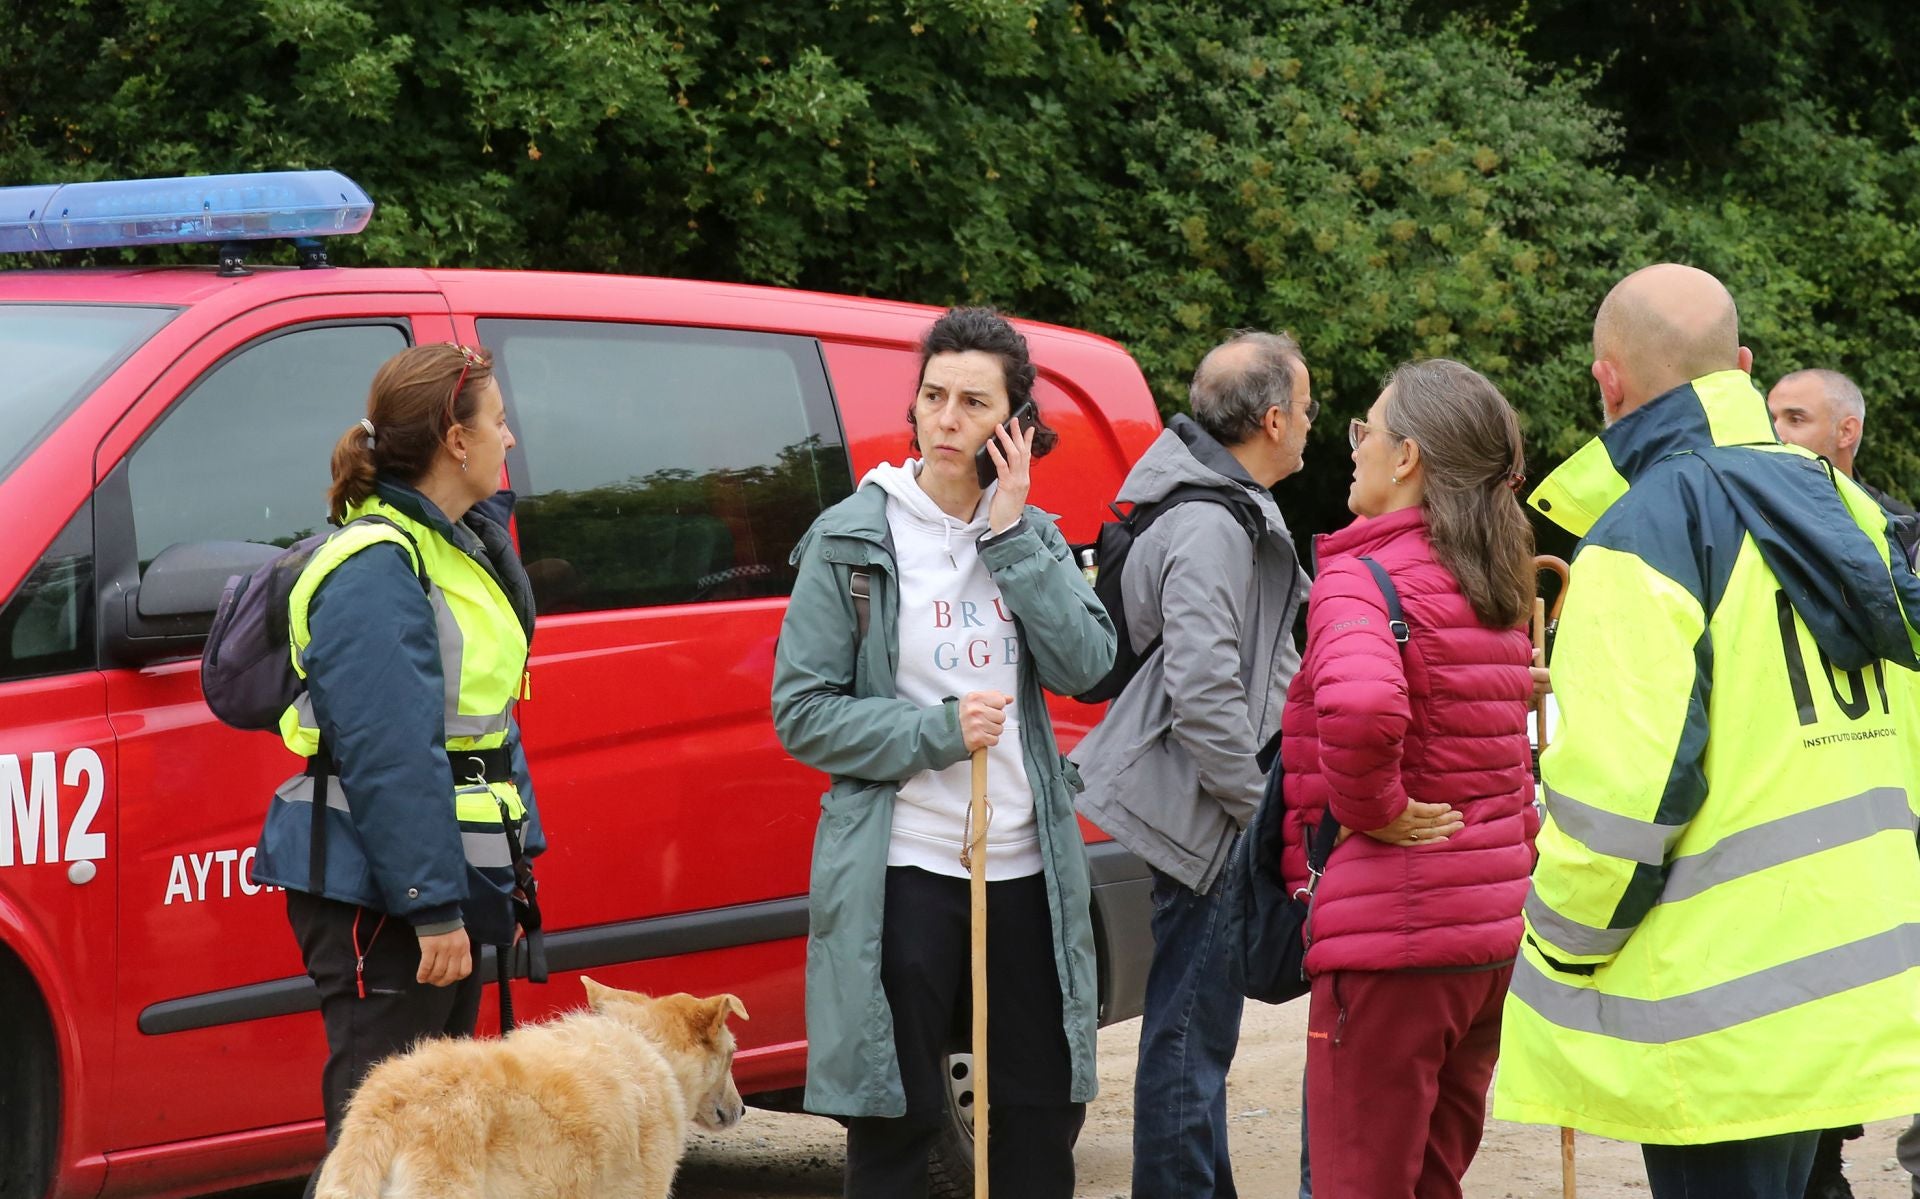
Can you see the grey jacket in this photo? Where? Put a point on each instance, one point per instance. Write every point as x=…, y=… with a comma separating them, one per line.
x=1170, y=770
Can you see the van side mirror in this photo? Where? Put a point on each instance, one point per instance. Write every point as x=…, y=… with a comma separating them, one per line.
x=167, y=615
x=186, y=578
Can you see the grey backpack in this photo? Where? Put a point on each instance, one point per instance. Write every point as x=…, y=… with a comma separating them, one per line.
x=247, y=671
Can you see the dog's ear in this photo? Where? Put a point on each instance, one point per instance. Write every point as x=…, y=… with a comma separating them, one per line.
x=596, y=994
x=722, y=1006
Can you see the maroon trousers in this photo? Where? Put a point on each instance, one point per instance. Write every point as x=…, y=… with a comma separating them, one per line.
x=1398, y=1066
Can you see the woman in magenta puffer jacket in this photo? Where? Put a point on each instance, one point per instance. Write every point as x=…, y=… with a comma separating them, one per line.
x=1421, y=753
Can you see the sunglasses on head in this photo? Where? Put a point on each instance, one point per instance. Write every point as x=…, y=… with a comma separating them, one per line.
x=469, y=358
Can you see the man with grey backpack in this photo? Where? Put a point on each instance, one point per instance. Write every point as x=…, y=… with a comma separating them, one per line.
x=1209, y=590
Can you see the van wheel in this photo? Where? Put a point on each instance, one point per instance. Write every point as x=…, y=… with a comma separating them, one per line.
x=951, y=1170
x=29, y=1087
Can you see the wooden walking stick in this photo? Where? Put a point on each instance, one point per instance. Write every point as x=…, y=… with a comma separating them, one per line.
x=976, y=856
x=1541, y=622
x=1548, y=564
x=1566, y=1163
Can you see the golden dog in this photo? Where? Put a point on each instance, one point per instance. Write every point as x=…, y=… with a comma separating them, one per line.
x=594, y=1104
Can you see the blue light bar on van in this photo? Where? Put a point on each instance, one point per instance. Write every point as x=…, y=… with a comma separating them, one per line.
x=20, y=209
x=203, y=208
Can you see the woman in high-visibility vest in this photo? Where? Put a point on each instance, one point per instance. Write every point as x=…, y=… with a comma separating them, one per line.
x=410, y=628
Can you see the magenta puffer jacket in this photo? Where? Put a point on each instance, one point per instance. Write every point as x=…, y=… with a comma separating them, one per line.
x=1364, y=728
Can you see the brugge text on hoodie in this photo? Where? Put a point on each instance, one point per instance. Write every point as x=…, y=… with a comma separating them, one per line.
x=956, y=635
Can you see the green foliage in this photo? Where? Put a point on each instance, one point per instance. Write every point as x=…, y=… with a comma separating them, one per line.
x=1687, y=76
x=1385, y=197
x=1155, y=170
x=1777, y=144
x=1819, y=234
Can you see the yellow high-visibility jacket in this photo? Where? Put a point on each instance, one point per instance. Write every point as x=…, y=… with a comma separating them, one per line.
x=1723, y=935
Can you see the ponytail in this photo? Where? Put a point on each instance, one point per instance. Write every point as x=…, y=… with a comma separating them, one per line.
x=1486, y=540
x=353, y=471
x=1470, y=445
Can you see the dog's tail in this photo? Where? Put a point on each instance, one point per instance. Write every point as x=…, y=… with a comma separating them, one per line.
x=360, y=1163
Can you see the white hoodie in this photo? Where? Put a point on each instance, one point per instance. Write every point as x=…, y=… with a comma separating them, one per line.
x=956, y=635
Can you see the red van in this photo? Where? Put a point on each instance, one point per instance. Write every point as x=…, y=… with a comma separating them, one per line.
x=158, y=425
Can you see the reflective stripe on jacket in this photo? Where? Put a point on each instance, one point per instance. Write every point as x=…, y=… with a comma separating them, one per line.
x=1723, y=932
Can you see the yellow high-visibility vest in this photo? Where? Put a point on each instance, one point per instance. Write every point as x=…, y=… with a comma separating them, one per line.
x=483, y=659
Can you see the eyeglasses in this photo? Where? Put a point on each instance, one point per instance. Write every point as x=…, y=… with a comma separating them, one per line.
x=1357, y=431
x=1289, y=407
x=469, y=358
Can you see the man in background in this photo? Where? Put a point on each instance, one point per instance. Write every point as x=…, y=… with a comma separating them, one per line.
x=1170, y=771
x=1823, y=411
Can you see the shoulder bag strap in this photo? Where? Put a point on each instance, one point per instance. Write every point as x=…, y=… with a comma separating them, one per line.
x=860, y=586
x=1321, y=847
x=419, y=561
x=319, y=766
x=1396, y=619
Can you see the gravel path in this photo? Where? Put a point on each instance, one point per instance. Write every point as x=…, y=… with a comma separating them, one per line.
x=772, y=1156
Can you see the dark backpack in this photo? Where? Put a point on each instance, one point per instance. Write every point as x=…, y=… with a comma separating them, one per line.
x=1110, y=551
x=247, y=671
x=1265, y=927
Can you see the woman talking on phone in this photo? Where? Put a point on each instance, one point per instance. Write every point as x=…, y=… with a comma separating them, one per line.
x=932, y=610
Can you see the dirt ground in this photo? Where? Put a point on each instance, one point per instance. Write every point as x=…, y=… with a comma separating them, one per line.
x=774, y=1156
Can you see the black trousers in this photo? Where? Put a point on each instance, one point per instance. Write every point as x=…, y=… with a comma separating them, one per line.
x=1773, y=1167
x=1829, y=1177
x=395, y=1012
x=925, y=967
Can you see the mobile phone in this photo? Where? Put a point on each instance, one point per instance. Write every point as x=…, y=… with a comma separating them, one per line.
x=983, y=465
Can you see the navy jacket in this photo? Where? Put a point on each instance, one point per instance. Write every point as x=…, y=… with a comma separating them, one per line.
x=373, y=671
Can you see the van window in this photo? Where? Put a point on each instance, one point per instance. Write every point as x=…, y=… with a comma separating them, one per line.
x=47, y=627
x=664, y=465
x=55, y=355
x=245, y=456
